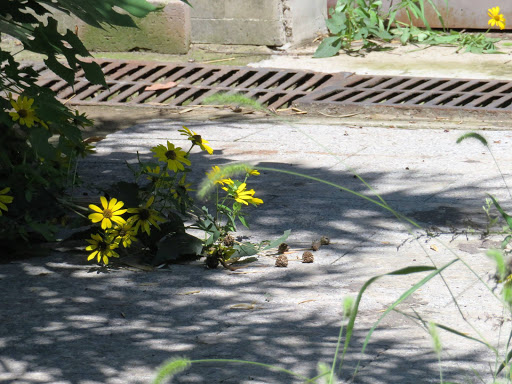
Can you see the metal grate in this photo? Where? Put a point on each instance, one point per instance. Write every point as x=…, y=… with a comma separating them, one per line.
x=466, y=94
x=128, y=83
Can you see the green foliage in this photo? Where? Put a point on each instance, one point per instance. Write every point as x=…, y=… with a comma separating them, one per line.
x=40, y=138
x=355, y=20
x=160, y=203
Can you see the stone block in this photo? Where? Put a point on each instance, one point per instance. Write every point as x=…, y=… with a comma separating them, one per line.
x=238, y=31
x=163, y=31
x=253, y=9
x=208, y=9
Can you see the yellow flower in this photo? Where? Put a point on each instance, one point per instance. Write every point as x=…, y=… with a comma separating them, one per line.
x=496, y=18
x=101, y=248
x=24, y=113
x=123, y=233
x=242, y=196
x=153, y=173
x=196, y=139
x=215, y=176
x=173, y=156
x=181, y=190
x=144, y=217
x=252, y=172
x=111, y=212
x=4, y=199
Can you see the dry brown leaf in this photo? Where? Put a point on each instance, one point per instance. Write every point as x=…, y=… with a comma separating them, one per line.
x=188, y=293
x=306, y=301
x=246, y=307
x=433, y=247
x=158, y=86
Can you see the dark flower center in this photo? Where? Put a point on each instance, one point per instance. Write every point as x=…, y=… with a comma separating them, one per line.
x=171, y=155
x=122, y=233
x=197, y=139
x=144, y=214
x=102, y=246
x=22, y=113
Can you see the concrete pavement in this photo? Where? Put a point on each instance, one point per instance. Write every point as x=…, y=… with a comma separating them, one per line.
x=66, y=321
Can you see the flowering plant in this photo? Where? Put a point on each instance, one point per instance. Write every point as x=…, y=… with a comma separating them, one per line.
x=40, y=137
x=161, y=204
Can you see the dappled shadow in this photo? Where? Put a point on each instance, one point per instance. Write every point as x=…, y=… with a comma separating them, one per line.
x=65, y=322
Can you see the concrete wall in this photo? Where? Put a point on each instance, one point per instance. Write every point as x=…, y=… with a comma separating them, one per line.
x=257, y=22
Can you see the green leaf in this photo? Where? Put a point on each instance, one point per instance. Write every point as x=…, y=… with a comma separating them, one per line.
x=405, y=36
x=505, y=215
x=93, y=72
x=336, y=23
x=245, y=249
x=39, y=139
x=329, y=47
x=177, y=247
x=278, y=241
x=60, y=70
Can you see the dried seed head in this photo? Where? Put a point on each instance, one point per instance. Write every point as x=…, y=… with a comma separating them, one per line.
x=283, y=247
x=325, y=240
x=315, y=246
x=282, y=261
x=307, y=257
x=228, y=241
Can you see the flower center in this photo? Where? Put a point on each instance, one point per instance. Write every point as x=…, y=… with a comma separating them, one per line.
x=22, y=113
x=122, y=233
x=197, y=139
x=171, y=155
x=144, y=214
x=107, y=213
x=102, y=246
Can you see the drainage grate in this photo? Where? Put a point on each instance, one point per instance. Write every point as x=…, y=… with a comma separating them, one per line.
x=128, y=83
x=410, y=92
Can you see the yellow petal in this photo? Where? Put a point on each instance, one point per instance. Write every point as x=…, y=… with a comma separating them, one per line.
x=112, y=203
x=118, y=206
x=106, y=223
x=91, y=256
x=95, y=217
x=105, y=260
x=104, y=202
x=118, y=220
x=5, y=190
x=95, y=208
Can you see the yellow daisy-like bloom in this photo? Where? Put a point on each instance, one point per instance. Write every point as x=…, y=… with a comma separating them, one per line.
x=181, y=190
x=196, y=139
x=243, y=196
x=144, y=217
x=252, y=172
x=153, y=173
x=173, y=156
x=24, y=113
x=123, y=233
x=496, y=18
x=216, y=177
x=101, y=248
x=5, y=199
x=111, y=212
